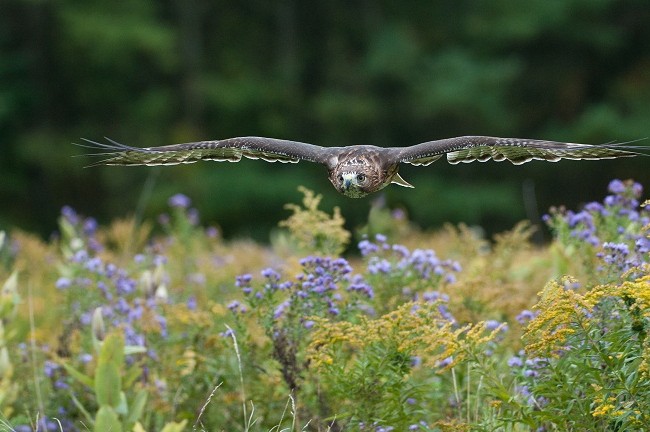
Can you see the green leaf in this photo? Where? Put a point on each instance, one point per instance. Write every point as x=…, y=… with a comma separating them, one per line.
x=106, y=420
x=108, y=384
x=79, y=376
x=136, y=409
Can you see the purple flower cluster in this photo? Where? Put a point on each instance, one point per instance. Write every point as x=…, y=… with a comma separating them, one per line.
x=435, y=296
x=123, y=304
x=614, y=226
x=316, y=289
x=85, y=229
x=423, y=264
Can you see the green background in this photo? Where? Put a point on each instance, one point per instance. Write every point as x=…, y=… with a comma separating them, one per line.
x=329, y=72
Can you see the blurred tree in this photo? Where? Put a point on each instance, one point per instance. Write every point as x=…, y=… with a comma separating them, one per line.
x=334, y=73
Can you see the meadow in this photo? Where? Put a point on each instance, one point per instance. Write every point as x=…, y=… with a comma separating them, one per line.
x=165, y=326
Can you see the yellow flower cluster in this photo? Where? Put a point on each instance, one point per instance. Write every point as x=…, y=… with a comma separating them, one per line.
x=314, y=230
x=414, y=328
x=562, y=309
x=559, y=310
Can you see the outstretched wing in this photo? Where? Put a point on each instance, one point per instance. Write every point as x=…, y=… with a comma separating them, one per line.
x=231, y=150
x=516, y=150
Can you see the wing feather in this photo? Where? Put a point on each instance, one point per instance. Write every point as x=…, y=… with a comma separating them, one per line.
x=516, y=150
x=230, y=150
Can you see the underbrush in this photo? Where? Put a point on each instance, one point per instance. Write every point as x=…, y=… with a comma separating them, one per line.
x=167, y=327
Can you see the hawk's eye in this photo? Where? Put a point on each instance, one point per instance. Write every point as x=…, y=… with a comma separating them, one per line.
x=341, y=178
x=361, y=177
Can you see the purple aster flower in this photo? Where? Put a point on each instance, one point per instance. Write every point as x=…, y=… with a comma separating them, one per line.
x=446, y=362
x=367, y=248
x=124, y=285
x=381, y=238
x=61, y=385
x=616, y=186
x=85, y=358
x=139, y=258
x=379, y=265
x=90, y=226
x=179, y=200
x=49, y=367
x=398, y=214
x=70, y=215
x=212, y=232
x=525, y=316
x=515, y=362
x=279, y=310
x=308, y=324
x=227, y=333
x=492, y=324
x=80, y=256
x=94, y=265
x=244, y=280
x=63, y=282
x=270, y=274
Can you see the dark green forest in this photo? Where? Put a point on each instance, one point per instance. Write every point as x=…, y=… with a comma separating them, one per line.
x=332, y=73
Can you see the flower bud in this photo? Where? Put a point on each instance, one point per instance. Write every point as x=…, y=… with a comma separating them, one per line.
x=97, y=325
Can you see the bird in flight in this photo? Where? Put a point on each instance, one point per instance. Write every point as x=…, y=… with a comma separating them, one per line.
x=359, y=170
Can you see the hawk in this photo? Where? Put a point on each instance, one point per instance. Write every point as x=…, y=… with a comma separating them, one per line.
x=359, y=170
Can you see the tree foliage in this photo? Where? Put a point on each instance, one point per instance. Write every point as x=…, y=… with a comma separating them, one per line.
x=333, y=73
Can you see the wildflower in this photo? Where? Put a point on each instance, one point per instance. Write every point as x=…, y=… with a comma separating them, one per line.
x=525, y=316
x=90, y=226
x=515, y=361
x=279, y=310
x=233, y=305
x=381, y=238
x=63, y=282
x=70, y=215
x=270, y=274
x=162, y=322
x=179, y=201
x=212, y=232
x=616, y=187
x=308, y=324
x=227, y=333
x=124, y=285
x=446, y=362
x=359, y=285
x=376, y=266
x=494, y=324
x=49, y=367
x=367, y=248
x=94, y=265
x=80, y=256
x=243, y=281
x=401, y=250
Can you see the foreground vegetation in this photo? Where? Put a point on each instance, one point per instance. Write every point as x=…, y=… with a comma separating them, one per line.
x=150, y=327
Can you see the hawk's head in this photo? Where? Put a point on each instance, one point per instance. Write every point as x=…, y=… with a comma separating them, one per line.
x=354, y=183
x=360, y=171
